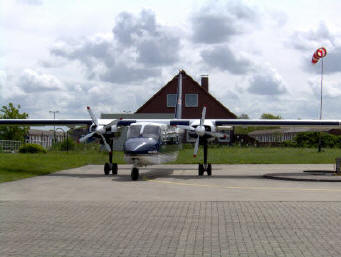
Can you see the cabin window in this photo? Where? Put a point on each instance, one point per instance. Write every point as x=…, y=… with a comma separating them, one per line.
x=171, y=100
x=191, y=100
x=134, y=131
x=151, y=131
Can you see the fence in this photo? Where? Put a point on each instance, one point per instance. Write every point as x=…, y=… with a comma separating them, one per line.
x=10, y=145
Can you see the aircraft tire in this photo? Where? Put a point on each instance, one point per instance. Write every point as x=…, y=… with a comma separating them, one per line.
x=107, y=168
x=134, y=174
x=209, y=169
x=201, y=170
x=114, y=168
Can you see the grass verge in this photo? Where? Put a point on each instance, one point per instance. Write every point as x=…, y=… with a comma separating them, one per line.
x=261, y=155
x=19, y=166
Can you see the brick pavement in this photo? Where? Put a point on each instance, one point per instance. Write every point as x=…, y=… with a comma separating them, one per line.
x=166, y=228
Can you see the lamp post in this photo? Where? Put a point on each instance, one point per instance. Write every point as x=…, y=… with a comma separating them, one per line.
x=67, y=138
x=54, y=125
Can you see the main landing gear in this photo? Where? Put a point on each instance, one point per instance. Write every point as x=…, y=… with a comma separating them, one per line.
x=205, y=167
x=109, y=166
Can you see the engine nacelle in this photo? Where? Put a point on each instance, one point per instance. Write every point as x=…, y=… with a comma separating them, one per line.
x=92, y=128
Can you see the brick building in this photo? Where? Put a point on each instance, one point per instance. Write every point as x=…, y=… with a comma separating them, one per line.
x=195, y=97
x=162, y=105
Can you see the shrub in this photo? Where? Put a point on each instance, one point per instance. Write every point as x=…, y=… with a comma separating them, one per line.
x=311, y=139
x=32, y=148
x=289, y=143
x=66, y=144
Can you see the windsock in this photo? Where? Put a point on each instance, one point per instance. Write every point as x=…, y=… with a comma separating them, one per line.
x=319, y=53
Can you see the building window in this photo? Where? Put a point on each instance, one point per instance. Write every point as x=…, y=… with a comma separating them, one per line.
x=191, y=100
x=171, y=100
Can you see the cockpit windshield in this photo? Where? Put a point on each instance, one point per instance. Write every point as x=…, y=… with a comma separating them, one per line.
x=151, y=131
x=134, y=131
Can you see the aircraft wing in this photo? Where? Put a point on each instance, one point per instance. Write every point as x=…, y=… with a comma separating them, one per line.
x=279, y=123
x=45, y=122
x=174, y=122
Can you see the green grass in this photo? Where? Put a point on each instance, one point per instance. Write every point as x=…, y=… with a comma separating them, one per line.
x=18, y=166
x=261, y=155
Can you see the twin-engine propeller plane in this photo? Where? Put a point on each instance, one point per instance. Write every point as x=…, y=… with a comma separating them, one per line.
x=151, y=141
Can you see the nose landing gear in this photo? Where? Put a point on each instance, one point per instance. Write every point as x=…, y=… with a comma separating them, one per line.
x=134, y=173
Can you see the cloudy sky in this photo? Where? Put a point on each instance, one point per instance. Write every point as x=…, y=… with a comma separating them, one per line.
x=113, y=55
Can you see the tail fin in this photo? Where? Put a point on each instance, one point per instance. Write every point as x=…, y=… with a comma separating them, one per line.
x=178, y=109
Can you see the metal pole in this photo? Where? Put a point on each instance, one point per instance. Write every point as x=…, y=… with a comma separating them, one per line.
x=54, y=124
x=67, y=141
x=319, y=147
x=54, y=127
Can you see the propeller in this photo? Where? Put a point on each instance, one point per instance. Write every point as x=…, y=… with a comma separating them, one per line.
x=201, y=131
x=98, y=130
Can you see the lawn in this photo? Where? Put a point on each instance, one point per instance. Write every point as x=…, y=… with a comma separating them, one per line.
x=18, y=166
x=261, y=155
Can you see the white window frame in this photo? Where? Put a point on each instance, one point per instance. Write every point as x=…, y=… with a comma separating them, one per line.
x=167, y=100
x=186, y=104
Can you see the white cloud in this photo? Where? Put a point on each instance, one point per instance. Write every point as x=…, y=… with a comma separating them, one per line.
x=135, y=52
x=313, y=38
x=224, y=58
x=30, y=2
x=32, y=81
x=267, y=82
x=218, y=22
x=117, y=60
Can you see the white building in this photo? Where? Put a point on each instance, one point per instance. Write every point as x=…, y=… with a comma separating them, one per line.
x=44, y=137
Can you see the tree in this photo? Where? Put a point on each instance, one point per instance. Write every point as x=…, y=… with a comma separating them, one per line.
x=243, y=116
x=12, y=132
x=269, y=116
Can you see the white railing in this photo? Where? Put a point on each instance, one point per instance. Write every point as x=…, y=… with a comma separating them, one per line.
x=10, y=145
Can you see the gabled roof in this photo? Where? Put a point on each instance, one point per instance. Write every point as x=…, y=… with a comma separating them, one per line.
x=199, y=87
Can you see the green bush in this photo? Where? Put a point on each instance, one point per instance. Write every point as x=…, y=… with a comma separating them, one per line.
x=311, y=139
x=289, y=143
x=66, y=144
x=32, y=148
x=71, y=145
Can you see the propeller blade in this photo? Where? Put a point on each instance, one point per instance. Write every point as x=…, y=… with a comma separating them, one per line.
x=92, y=115
x=86, y=137
x=203, y=116
x=186, y=127
x=215, y=134
x=196, y=147
x=107, y=146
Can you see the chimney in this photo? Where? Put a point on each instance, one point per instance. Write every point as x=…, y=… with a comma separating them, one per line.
x=204, y=82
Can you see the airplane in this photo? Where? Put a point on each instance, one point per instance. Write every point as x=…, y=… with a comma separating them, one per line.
x=157, y=141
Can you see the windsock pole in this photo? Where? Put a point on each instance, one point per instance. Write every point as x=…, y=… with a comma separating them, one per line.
x=319, y=148
x=320, y=53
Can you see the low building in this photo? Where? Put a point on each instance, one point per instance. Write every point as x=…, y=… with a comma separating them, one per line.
x=280, y=135
x=45, y=138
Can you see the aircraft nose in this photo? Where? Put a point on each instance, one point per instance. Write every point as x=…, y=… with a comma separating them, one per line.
x=140, y=145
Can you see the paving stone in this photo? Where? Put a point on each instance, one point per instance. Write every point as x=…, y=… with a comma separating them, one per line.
x=77, y=228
